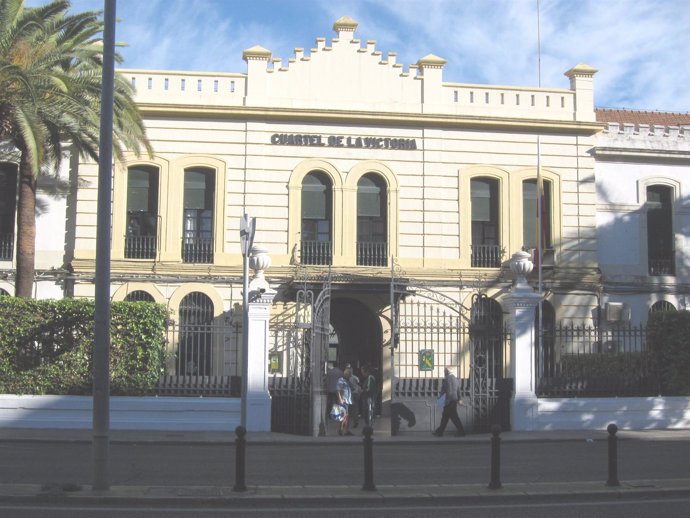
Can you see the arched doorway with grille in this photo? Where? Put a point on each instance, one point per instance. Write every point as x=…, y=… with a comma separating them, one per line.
x=195, y=351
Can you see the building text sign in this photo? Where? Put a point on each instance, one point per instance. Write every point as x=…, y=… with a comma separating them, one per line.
x=294, y=139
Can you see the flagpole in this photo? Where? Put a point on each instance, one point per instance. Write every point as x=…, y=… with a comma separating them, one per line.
x=540, y=191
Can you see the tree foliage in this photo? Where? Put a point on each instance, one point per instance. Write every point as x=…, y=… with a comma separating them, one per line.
x=50, y=93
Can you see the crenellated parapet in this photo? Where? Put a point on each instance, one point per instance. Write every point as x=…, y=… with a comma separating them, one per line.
x=631, y=138
x=347, y=76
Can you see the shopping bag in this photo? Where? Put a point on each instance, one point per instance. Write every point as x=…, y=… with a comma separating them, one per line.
x=441, y=401
x=337, y=412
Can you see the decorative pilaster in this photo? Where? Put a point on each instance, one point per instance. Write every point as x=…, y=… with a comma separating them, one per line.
x=522, y=301
x=259, y=311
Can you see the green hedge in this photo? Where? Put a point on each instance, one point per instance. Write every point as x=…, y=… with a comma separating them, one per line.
x=46, y=346
x=631, y=373
x=668, y=337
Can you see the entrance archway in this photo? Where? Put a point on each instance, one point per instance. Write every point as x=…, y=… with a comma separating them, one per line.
x=359, y=334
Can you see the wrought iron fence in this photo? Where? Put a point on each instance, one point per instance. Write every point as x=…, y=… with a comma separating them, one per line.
x=593, y=362
x=203, y=360
x=6, y=247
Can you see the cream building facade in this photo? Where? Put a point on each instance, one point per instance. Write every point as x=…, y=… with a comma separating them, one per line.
x=400, y=196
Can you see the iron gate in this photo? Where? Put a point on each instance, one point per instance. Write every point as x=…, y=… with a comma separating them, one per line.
x=298, y=361
x=429, y=326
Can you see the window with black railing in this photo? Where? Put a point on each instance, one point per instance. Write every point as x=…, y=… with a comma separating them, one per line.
x=8, y=196
x=486, y=249
x=142, y=213
x=661, y=256
x=372, y=231
x=6, y=247
x=141, y=241
x=316, y=244
x=199, y=195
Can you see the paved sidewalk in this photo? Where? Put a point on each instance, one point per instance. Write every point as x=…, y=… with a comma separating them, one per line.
x=218, y=495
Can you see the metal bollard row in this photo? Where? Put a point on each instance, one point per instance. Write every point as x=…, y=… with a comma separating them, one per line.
x=368, y=443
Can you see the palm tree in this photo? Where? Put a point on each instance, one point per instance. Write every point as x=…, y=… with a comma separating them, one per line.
x=50, y=87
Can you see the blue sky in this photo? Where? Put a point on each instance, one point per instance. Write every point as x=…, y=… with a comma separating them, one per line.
x=641, y=47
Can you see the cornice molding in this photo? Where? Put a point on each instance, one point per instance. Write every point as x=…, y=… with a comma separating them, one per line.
x=579, y=128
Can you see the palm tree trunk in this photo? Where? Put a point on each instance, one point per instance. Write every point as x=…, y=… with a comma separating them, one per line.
x=26, y=229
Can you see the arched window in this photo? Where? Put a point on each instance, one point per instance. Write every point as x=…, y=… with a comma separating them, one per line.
x=139, y=296
x=199, y=199
x=317, y=210
x=372, y=226
x=4, y=293
x=8, y=205
x=486, y=239
x=662, y=305
x=195, y=348
x=660, y=249
x=530, y=218
x=142, y=212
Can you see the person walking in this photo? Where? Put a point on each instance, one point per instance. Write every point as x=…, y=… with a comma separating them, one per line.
x=450, y=389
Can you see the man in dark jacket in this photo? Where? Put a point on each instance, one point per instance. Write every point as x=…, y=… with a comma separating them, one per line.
x=450, y=388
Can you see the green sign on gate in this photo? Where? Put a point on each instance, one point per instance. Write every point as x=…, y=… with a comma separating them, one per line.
x=275, y=363
x=426, y=360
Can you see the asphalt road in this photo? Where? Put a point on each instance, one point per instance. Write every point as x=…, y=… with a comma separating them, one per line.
x=441, y=462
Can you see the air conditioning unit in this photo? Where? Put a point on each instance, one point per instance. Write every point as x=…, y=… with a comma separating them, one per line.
x=617, y=312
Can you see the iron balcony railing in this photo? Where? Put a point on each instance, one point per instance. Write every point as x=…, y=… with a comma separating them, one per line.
x=372, y=253
x=316, y=252
x=486, y=256
x=140, y=247
x=662, y=266
x=197, y=250
x=6, y=247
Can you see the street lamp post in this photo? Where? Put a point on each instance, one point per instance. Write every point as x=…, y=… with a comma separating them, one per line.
x=247, y=231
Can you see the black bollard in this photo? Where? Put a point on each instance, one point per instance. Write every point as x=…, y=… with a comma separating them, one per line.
x=240, y=446
x=368, y=459
x=495, y=457
x=613, y=456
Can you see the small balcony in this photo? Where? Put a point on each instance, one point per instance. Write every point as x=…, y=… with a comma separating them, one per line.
x=372, y=253
x=6, y=247
x=316, y=252
x=140, y=247
x=486, y=256
x=659, y=266
x=197, y=250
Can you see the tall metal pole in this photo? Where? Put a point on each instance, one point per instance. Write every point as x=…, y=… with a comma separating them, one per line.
x=247, y=230
x=101, y=354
